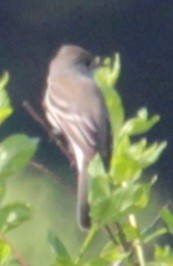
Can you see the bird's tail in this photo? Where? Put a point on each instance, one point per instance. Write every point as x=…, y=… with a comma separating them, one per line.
x=82, y=201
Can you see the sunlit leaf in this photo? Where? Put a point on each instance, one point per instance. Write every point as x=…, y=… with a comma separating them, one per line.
x=124, y=169
x=107, y=77
x=140, y=124
x=5, y=252
x=149, y=155
x=5, y=105
x=115, y=109
x=109, y=73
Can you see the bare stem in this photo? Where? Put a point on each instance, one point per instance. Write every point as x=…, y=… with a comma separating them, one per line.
x=110, y=234
x=137, y=244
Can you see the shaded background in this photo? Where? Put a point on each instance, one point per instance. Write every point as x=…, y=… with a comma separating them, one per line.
x=141, y=31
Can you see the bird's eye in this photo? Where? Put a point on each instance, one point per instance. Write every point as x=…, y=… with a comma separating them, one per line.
x=87, y=62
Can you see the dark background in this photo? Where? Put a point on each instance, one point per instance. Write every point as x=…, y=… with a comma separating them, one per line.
x=141, y=31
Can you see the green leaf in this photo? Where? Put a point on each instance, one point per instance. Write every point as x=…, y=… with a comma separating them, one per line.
x=123, y=169
x=5, y=253
x=139, y=125
x=151, y=234
x=108, y=75
x=62, y=255
x=149, y=155
x=96, y=167
x=115, y=108
x=92, y=233
x=15, y=153
x=109, y=209
x=4, y=80
x=5, y=105
x=12, y=215
x=98, y=182
x=131, y=232
x=121, y=202
x=167, y=216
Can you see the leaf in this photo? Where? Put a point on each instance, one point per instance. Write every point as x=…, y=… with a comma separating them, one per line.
x=115, y=108
x=98, y=181
x=167, y=216
x=123, y=169
x=96, y=167
x=5, y=253
x=131, y=232
x=149, y=155
x=140, y=124
x=107, y=77
x=108, y=74
x=152, y=233
x=4, y=80
x=92, y=233
x=121, y=202
x=5, y=105
x=15, y=153
x=59, y=249
x=12, y=215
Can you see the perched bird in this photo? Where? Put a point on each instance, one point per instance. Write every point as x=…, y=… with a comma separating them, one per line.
x=76, y=111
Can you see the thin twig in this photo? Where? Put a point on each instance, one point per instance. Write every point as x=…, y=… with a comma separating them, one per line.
x=44, y=170
x=126, y=245
x=110, y=234
x=34, y=114
x=137, y=243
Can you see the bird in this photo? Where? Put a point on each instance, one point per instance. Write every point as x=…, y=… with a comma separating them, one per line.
x=76, y=111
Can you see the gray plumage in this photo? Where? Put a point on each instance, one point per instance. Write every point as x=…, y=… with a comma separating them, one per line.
x=75, y=108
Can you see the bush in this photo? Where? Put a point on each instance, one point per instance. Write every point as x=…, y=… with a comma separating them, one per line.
x=116, y=197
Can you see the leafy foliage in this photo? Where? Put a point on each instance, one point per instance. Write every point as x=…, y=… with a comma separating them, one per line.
x=115, y=196
x=15, y=152
x=118, y=195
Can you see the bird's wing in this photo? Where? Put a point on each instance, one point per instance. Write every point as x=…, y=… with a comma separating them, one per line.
x=69, y=111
